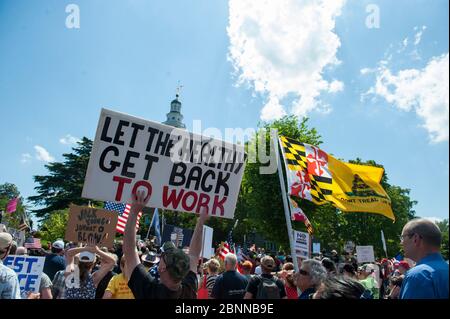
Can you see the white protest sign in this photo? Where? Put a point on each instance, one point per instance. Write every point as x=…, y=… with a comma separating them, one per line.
x=180, y=171
x=28, y=269
x=207, y=241
x=316, y=248
x=364, y=254
x=349, y=246
x=301, y=244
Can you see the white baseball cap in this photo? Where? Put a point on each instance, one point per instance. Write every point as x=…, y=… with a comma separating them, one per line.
x=59, y=244
x=86, y=257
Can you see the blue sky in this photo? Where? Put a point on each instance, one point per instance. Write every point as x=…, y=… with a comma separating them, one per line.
x=239, y=61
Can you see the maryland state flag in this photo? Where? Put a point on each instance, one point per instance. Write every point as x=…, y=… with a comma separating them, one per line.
x=317, y=176
x=298, y=215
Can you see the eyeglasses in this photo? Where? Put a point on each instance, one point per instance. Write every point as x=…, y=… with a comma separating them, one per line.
x=402, y=237
x=303, y=272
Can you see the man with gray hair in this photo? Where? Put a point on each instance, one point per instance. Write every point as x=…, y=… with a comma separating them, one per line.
x=421, y=240
x=230, y=284
x=310, y=277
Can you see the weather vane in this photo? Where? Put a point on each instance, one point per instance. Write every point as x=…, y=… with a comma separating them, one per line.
x=179, y=87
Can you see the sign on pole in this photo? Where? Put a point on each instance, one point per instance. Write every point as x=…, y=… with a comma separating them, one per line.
x=364, y=254
x=316, y=248
x=180, y=171
x=87, y=223
x=28, y=269
x=207, y=241
x=301, y=241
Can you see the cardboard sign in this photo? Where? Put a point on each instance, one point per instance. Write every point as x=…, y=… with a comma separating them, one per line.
x=301, y=244
x=180, y=171
x=28, y=269
x=207, y=241
x=364, y=254
x=86, y=223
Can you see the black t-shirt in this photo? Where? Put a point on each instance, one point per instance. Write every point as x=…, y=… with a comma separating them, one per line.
x=230, y=285
x=103, y=284
x=256, y=280
x=144, y=287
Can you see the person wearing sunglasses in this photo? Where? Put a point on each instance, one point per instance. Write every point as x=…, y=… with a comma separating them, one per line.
x=310, y=277
x=421, y=240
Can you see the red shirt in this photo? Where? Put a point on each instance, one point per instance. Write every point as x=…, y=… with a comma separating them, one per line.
x=291, y=292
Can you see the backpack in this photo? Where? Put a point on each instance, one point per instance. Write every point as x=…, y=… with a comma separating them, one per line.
x=268, y=289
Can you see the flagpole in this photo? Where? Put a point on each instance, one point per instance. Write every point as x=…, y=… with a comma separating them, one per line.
x=285, y=202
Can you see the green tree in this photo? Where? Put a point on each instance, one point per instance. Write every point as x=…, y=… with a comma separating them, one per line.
x=443, y=226
x=53, y=226
x=9, y=191
x=260, y=205
x=64, y=183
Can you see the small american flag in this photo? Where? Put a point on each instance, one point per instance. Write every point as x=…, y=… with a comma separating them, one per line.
x=23, y=225
x=123, y=210
x=33, y=243
x=224, y=250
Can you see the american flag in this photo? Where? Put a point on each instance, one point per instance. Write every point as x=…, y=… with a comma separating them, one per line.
x=123, y=210
x=23, y=225
x=33, y=243
x=224, y=250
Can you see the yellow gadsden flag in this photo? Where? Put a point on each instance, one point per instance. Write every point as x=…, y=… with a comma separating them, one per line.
x=317, y=176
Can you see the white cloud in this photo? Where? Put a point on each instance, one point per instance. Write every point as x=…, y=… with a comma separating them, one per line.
x=364, y=71
x=418, y=35
x=424, y=91
x=280, y=49
x=26, y=158
x=336, y=86
x=42, y=154
x=69, y=139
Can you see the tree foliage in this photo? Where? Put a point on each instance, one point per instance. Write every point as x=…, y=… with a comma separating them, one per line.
x=260, y=204
x=53, y=226
x=64, y=183
x=443, y=226
x=9, y=191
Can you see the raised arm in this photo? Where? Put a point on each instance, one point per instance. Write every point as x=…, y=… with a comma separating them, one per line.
x=106, y=265
x=195, y=246
x=129, y=238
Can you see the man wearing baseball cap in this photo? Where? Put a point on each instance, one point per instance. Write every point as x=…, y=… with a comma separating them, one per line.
x=266, y=286
x=55, y=261
x=177, y=270
x=9, y=283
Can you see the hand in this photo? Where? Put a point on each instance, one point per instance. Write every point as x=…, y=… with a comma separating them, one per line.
x=32, y=295
x=91, y=246
x=204, y=214
x=139, y=202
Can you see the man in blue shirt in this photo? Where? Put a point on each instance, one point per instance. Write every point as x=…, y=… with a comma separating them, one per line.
x=55, y=261
x=421, y=241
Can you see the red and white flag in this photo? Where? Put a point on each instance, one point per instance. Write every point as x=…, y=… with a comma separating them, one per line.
x=124, y=211
x=224, y=250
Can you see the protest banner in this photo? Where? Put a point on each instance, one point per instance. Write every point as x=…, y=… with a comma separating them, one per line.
x=87, y=222
x=18, y=236
x=180, y=171
x=301, y=244
x=207, y=242
x=181, y=237
x=364, y=254
x=28, y=269
x=349, y=247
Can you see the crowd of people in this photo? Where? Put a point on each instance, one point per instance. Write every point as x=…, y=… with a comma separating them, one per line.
x=134, y=269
